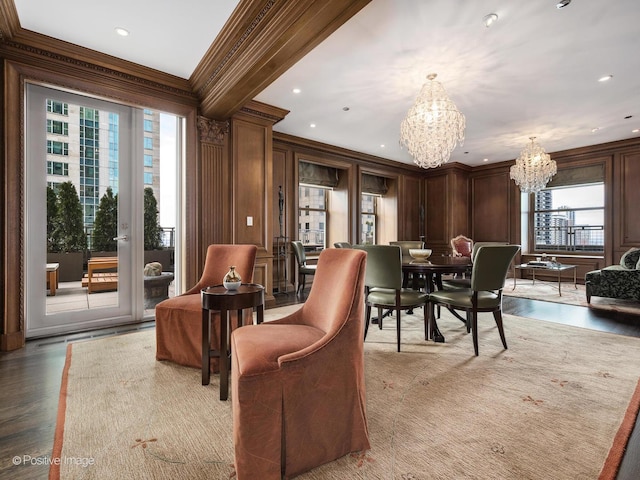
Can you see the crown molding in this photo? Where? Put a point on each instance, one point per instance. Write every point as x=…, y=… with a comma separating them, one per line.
x=9, y=22
x=260, y=41
x=29, y=47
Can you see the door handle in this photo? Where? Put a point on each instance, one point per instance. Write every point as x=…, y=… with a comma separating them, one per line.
x=122, y=237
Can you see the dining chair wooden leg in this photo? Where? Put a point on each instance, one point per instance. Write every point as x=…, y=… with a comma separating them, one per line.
x=474, y=331
x=380, y=317
x=427, y=323
x=498, y=317
x=367, y=319
x=398, y=327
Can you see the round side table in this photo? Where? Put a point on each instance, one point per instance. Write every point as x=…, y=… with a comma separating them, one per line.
x=248, y=295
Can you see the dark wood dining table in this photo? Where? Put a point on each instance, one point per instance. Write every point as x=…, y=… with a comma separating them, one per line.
x=432, y=270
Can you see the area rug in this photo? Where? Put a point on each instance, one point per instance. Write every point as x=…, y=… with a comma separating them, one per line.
x=548, y=407
x=548, y=291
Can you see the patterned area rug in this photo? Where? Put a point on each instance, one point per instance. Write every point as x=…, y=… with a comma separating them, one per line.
x=549, y=407
x=548, y=291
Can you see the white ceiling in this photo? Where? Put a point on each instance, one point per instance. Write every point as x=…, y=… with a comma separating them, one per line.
x=533, y=73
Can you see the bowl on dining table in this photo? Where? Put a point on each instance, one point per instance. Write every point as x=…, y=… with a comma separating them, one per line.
x=420, y=254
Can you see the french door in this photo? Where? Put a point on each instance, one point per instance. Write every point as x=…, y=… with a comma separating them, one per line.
x=84, y=169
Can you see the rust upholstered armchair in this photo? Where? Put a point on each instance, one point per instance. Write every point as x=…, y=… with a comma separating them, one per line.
x=179, y=319
x=298, y=388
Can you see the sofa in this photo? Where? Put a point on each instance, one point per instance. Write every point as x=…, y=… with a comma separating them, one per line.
x=616, y=281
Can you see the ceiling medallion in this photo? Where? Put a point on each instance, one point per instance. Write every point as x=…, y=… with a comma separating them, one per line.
x=533, y=168
x=433, y=126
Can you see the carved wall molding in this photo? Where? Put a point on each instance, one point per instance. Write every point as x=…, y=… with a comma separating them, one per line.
x=236, y=46
x=212, y=131
x=19, y=51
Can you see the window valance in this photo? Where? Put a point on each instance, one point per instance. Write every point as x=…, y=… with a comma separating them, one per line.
x=314, y=174
x=578, y=176
x=374, y=185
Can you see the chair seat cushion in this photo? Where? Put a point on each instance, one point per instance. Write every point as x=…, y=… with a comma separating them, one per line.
x=453, y=283
x=462, y=298
x=385, y=296
x=310, y=269
x=258, y=348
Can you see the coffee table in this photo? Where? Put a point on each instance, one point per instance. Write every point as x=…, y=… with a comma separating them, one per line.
x=557, y=268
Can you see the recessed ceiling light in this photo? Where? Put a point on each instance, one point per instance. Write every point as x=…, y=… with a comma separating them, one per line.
x=635, y=130
x=605, y=78
x=123, y=32
x=382, y=146
x=313, y=125
x=595, y=129
x=628, y=117
x=490, y=19
x=563, y=3
x=485, y=160
x=296, y=90
x=346, y=109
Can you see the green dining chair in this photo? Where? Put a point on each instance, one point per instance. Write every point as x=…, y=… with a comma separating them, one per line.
x=488, y=275
x=383, y=286
x=451, y=283
x=342, y=245
x=303, y=268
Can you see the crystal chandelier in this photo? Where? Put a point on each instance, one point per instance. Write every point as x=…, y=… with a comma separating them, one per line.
x=533, y=168
x=432, y=127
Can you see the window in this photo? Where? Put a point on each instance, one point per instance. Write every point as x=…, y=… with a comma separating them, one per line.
x=569, y=219
x=148, y=125
x=58, y=168
x=148, y=160
x=57, y=107
x=312, y=217
x=368, y=219
x=57, y=127
x=148, y=178
x=57, y=148
x=148, y=143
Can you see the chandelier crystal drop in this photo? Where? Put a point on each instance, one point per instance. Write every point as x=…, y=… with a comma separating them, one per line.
x=433, y=126
x=533, y=168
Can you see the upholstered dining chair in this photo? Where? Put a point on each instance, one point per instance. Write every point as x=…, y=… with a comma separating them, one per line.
x=179, y=319
x=450, y=283
x=461, y=246
x=405, y=246
x=298, y=389
x=303, y=268
x=383, y=286
x=342, y=245
x=488, y=276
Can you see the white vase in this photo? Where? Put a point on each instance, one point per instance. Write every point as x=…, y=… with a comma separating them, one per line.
x=232, y=280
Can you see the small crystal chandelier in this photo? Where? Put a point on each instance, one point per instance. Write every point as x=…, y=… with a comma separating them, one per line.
x=533, y=168
x=432, y=127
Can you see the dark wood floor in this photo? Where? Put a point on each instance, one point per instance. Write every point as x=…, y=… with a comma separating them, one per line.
x=30, y=383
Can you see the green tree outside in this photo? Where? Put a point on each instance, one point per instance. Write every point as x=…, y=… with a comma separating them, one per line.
x=67, y=233
x=105, y=227
x=52, y=211
x=152, y=229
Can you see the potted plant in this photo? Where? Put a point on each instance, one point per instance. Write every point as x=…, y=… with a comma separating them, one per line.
x=67, y=241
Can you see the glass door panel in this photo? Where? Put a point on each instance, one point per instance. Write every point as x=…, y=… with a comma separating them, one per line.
x=82, y=226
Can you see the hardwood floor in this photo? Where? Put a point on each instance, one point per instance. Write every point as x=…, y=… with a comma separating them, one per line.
x=30, y=382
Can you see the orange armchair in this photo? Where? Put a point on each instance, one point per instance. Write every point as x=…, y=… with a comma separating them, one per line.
x=298, y=387
x=179, y=319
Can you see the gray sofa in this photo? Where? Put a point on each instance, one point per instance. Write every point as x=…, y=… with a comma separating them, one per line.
x=616, y=281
